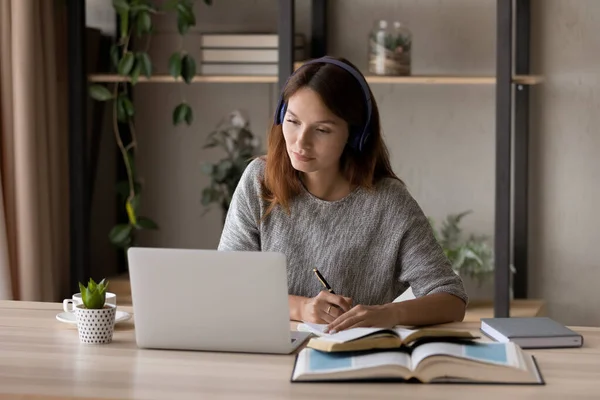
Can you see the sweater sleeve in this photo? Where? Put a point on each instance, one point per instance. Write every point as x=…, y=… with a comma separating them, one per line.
x=240, y=231
x=422, y=262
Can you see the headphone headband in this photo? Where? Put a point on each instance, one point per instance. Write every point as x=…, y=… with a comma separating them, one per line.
x=358, y=137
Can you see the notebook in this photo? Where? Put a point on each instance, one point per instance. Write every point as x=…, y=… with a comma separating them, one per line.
x=357, y=339
x=531, y=332
x=433, y=362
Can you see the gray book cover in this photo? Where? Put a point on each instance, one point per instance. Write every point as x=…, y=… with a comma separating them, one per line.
x=529, y=327
x=531, y=332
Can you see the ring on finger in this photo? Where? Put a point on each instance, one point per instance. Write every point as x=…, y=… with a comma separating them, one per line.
x=328, y=308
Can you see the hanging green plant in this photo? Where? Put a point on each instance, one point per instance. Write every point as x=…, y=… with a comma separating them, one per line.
x=136, y=18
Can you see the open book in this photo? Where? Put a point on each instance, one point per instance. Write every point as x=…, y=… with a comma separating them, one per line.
x=434, y=362
x=356, y=339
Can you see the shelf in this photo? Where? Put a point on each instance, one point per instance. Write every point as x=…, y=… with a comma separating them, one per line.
x=107, y=78
x=432, y=79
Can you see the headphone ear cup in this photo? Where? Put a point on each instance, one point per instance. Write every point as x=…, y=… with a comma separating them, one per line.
x=355, y=138
x=282, y=111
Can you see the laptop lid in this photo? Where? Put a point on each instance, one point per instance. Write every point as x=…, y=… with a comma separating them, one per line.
x=210, y=300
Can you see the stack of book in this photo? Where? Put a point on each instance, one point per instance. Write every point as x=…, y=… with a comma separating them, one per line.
x=421, y=356
x=244, y=53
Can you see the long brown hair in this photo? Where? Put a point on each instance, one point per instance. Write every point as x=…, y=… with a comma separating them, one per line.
x=343, y=95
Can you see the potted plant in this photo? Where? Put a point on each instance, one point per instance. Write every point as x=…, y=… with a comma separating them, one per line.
x=95, y=318
x=472, y=256
x=133, y=65
x=234, y=136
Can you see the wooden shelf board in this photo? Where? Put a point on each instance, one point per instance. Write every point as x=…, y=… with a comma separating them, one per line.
x=433, y=79
x=108, y=78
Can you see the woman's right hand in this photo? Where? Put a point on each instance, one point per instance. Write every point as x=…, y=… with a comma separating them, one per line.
x=325, y=307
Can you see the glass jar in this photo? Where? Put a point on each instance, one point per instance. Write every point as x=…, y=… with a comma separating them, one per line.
x=390, y=49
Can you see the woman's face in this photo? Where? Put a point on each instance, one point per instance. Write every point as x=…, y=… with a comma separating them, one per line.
x=315, y=137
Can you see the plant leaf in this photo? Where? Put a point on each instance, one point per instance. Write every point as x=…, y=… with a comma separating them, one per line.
x=126, y=63
x=124, y=17
x=120, y=233
x=185, y=12
x=145, y=63
x=142, y=7
x=144, y=23
x=120, y=6
x=131, y=207
x=121, y=112
x=189, y=116
x=222, y=170
x=122, y=188
x=182, y=26
x=175, y=65
x=135, y=74
x=92, y=285
x=188, y=68
x=146, y=223
x=128, y=105
x=208, y=169
x=208, y=196
x=114, y=55
x=100, y=93
x=179, y=114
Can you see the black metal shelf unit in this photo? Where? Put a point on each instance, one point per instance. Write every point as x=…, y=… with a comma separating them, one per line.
x=507, y=248
x=510, y=245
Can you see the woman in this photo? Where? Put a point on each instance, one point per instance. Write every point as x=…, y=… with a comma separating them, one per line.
x=325, y=195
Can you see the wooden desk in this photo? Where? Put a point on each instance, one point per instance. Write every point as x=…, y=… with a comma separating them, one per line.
x=41, y=358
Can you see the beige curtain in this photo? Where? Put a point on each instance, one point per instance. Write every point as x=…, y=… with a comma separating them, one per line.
x=34, y=224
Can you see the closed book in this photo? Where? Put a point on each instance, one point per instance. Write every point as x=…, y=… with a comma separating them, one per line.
x=432, y=362
x=245, y=55
x=531, y=332
x=245, y=40
x=234, y=69
x=238, y=69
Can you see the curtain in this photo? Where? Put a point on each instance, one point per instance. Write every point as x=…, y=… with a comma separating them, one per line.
x=34, y=224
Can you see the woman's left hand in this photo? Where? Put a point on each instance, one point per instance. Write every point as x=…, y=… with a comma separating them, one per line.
x=381, y=316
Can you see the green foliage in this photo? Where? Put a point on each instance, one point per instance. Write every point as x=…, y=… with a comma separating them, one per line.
x=234, y=137
x=136, y=17
x=471, y=256
x=94, y=295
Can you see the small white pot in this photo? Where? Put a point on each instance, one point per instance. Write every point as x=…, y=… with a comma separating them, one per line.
x=95, y=326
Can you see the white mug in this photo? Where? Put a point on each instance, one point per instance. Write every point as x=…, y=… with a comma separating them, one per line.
x=111, y=299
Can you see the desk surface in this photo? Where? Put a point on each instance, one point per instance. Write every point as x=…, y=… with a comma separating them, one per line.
x=41, y=358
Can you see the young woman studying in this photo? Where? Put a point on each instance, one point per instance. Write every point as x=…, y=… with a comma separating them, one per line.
x=325, y=196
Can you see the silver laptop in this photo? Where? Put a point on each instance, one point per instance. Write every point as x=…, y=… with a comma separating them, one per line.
x=211, y=300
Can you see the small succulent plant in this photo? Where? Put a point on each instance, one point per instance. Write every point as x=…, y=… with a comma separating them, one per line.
x=94, y=295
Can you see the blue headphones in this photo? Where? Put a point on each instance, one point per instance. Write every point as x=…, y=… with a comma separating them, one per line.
x=358, y=136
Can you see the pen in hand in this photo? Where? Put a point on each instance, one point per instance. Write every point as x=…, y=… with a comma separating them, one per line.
x=323, y=281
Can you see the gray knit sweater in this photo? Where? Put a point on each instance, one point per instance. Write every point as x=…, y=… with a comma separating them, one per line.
x=370, y=245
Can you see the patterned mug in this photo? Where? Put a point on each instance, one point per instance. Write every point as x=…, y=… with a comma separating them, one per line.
x=95, y=326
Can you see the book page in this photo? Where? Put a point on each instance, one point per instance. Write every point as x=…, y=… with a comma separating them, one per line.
x=353, y=333
x=316, y=329
x=316, y=362
x=490, y=353
x=403, y=333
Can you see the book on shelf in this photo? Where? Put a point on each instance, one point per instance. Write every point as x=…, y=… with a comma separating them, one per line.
x=245, y=56
x=428, y=362
x=358, y=339
x=240, y=69
x=246, y=40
